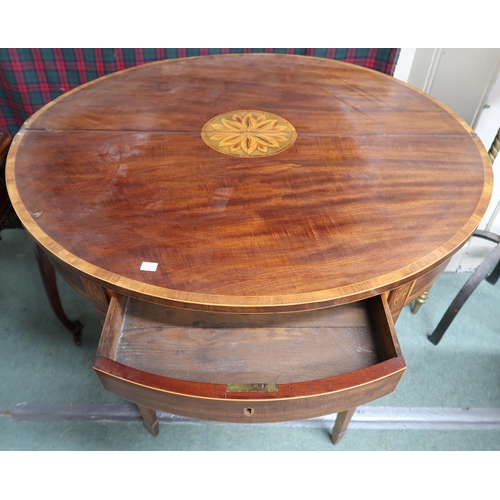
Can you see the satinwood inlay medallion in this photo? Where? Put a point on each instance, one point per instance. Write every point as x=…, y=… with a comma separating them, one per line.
x=249, y=133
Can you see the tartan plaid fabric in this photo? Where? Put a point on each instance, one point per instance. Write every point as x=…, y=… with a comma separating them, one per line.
x=30, y=78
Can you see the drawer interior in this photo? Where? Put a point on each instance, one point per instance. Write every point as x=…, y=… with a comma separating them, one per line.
x=218, y=348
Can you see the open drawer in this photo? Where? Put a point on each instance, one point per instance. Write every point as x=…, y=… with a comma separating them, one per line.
x=249, y=367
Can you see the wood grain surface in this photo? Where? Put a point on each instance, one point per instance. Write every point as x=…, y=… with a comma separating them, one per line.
x=381, y=185
x=245, y=348
x=383, y=380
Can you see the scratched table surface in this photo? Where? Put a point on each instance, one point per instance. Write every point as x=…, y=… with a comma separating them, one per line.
x=249, y=182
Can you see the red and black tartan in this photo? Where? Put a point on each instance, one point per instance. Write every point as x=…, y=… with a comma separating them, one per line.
x=30, y=78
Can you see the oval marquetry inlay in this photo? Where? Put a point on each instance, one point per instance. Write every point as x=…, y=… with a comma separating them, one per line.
x=249, y=133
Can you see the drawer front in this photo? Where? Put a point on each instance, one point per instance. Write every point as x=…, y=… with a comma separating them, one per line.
x=249, y=368
x=248, y=411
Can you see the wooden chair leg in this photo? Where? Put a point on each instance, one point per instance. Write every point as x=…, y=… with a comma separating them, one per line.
x=420, y=301
x=49, y=283
x=341, y=423
x=489, y=264
x=150, y=419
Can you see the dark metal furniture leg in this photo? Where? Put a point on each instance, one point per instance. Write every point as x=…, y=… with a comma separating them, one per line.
x=487, y=267
x=49, y=282
x=494, y=275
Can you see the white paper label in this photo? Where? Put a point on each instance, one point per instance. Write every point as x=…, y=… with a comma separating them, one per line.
x=149, y=266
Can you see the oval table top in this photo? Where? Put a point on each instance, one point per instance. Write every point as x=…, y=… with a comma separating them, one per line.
x=249, y=182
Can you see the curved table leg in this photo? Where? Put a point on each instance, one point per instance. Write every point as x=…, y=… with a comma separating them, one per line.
x=488, y=267
x=49, y=283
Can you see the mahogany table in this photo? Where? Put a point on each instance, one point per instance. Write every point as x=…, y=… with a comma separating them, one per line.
x=237, y=200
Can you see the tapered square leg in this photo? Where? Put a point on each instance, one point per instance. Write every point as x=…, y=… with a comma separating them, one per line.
x=150, y=419
x=341, y=424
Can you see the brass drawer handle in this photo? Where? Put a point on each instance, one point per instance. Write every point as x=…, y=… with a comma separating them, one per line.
x=252, y=388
